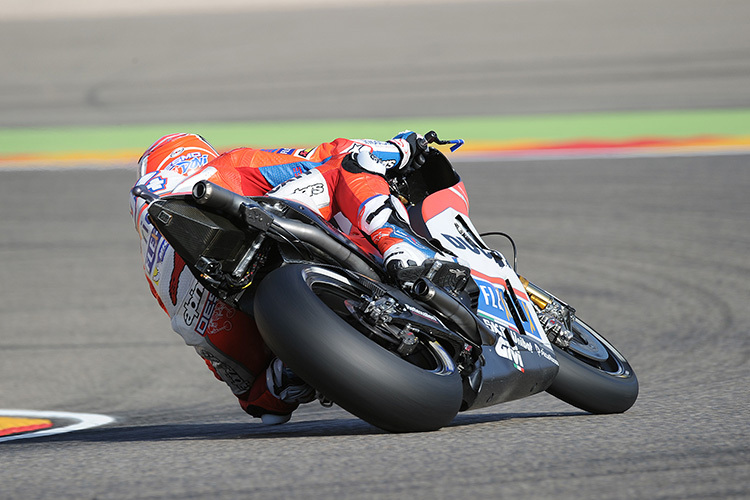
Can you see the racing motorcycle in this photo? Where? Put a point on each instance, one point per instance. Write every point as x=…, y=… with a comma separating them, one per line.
x=405, y=355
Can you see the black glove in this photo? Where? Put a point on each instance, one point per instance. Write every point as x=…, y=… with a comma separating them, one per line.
x=413, y=147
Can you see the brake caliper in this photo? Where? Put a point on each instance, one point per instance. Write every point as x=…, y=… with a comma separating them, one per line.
x=555, y=316
x=379, y=312
x=552, y=319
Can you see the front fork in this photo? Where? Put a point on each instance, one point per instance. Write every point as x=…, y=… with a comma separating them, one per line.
x=555, y=315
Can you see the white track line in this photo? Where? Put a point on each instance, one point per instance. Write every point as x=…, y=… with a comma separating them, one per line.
x=85, y=421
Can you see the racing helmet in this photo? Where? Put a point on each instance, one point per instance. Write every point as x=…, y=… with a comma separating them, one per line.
x=180, y=153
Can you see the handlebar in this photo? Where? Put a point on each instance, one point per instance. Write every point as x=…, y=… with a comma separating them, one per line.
x=432, y=137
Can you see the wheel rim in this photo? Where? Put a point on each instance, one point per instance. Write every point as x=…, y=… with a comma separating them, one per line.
x=344, y=296
x=593, y=349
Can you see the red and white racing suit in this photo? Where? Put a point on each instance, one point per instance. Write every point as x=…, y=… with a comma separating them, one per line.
x=327, y=179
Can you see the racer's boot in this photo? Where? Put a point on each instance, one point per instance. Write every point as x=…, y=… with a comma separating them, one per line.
x=451, y=276
x=408, y=256
x=286, y=385
x=274, y=397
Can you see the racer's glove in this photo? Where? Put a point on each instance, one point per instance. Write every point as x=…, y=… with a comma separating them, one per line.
x=412, y=147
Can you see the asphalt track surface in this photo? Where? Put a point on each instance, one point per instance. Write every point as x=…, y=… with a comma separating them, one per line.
x=652, y=252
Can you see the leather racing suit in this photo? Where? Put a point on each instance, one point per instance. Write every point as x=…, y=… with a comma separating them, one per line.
x=342, y=180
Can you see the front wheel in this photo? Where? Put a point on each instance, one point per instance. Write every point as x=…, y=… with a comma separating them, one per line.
x=311, y=318
x=593, y=375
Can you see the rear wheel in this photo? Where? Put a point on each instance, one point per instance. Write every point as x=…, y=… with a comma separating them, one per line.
x=593, y=375
x=313, y=318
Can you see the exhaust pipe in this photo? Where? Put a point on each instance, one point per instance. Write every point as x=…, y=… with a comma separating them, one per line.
x=216, y=197
x=450, y=307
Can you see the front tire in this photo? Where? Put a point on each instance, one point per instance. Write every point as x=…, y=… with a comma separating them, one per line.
x=304, y=314
x=593, y=375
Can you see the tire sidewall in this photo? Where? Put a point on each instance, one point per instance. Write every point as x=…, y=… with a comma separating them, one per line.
x=591, y=389
x=347, y=367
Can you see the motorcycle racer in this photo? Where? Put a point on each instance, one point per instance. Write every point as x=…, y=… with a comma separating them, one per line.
x=344, y=181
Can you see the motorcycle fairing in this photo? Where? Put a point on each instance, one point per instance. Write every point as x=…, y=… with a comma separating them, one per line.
x=522, y=360
x=445, y=216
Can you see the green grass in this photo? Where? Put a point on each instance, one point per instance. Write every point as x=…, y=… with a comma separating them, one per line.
x=624, y=125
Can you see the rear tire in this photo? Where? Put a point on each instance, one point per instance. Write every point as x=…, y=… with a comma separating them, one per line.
x=302, y=314
x=593, y=375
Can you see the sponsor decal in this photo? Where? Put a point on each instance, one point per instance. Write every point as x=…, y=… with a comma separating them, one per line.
x=522, y=342
x=493, y=304
x=160, y=253
x=311, y=189
x=300, y=153
x=145, y=229
x=529, y=325
x=153, y=244
x=191, y=307
x=492, y=297
x=423, y=314
x=187, y=162
x=505, y=350
x=228, y=374
x=206, y=313
x=221, y=320
x=503, y=347
x=493, y=300
x=462, y=243
x=280, y=151
x=305, y=183
x=511, y=353
x=156, y=183
x=541, y=351
x=198, y=309
x=384, y=163
x=370, y=142
x=384, y=154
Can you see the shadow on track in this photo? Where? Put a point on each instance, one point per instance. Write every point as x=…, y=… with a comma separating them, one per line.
x=251, y=430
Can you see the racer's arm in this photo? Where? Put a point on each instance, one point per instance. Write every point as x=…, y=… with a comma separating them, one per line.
x=364, y=198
